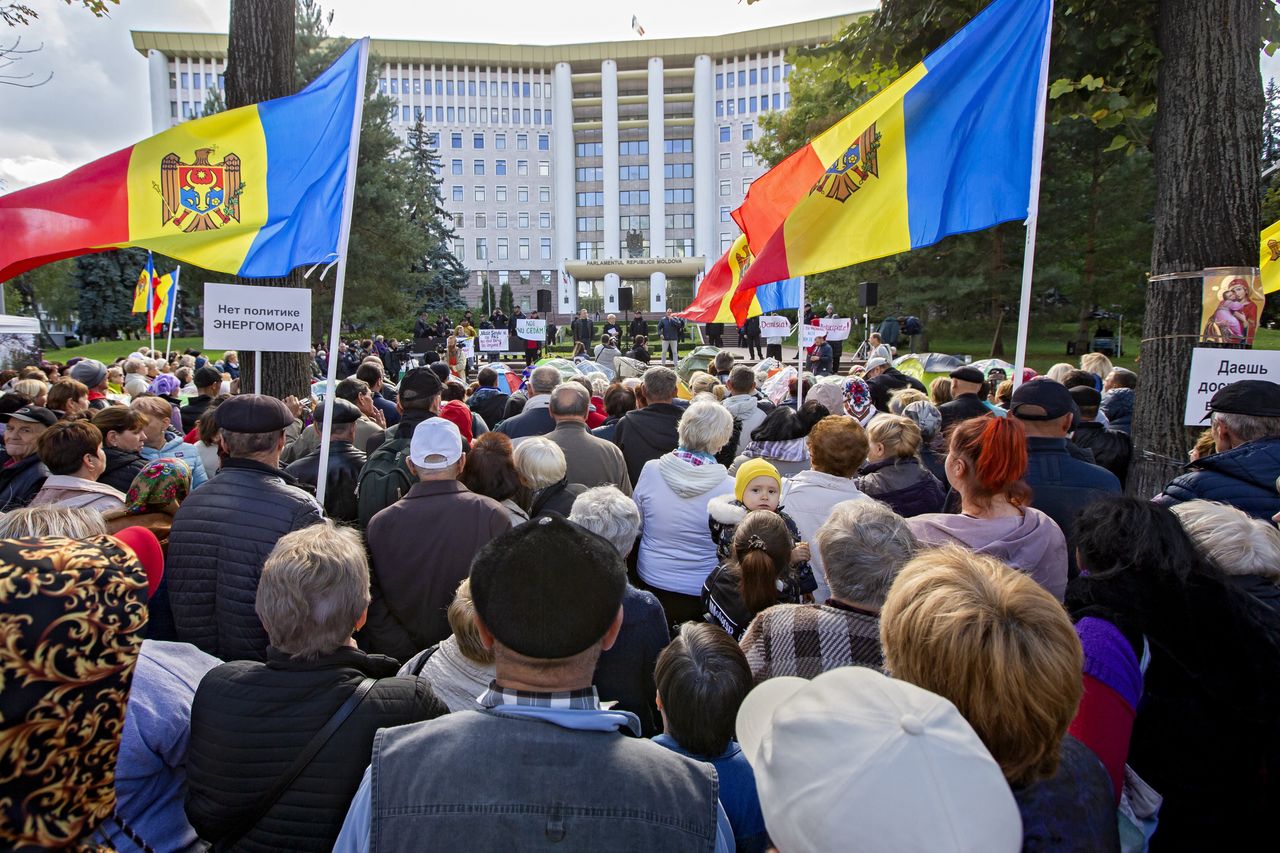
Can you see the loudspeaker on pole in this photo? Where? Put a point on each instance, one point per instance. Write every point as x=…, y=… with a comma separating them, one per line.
x=868, y=293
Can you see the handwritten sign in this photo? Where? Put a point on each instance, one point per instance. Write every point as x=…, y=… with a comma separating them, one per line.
x=493, y=340
x=773, y=326
x=836, y=328
x=531, y=330
x=809, y=334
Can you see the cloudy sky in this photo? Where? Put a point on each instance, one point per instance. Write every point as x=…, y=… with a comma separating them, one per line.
x=97, y=100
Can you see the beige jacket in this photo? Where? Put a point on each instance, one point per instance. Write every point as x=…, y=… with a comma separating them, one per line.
x=66, y=490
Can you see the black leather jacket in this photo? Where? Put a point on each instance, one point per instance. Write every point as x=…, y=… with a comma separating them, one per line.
x=20, y=481
x=345, y=462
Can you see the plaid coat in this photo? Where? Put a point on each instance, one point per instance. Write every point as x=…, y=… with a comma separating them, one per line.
x=809, y=639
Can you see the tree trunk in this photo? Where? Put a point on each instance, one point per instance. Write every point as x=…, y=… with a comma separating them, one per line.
x=1089, y=275
x=260, y=66
x=1206, y=144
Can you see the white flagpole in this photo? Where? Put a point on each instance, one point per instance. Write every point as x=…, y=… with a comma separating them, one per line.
x=151, y=299
x=800, y=347
x=173, y=298
x=344, y=239
x=1033, y=208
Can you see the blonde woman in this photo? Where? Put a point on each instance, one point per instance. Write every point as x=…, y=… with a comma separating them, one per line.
x=894, y=473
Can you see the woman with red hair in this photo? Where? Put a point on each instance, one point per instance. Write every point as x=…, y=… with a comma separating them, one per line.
x=986, y=461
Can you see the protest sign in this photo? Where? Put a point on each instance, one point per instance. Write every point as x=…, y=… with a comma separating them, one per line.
x=249, y=317
x=773, y=326
x=808, y=334
x=493, y=340
x=531, y=330
x=467, y=348
x=1213, y=369
x=836, y=328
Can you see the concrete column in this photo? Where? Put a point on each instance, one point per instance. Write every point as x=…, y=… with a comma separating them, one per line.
x=158, y=76
x=704, y=160
x=657, y=159
x=657, y=292
x=562, y=165
x=611, y=284
x=609, y=116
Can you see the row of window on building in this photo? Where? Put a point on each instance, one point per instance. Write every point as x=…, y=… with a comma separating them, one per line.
x=468, y=88
x=471, y=115
x=195, y=80
x=500, y=167
x=670, y=171
x=501, y=219
x=542, y=278
x=634, y=197
x=754, y=76
x=499, y=141
x=503, y=249
x=457, y=193
x=635, y=222
x=590, y=250
x=752, y=104
x=635, y=148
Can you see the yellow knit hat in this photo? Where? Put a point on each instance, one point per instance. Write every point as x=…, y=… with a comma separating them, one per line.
x=751, y=469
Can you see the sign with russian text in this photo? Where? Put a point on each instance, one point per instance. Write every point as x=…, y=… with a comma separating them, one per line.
x=251, y=317
x=809, y=334
x=493, y=340
x=531, y=330
x=773, y=326
x=836, y=328
x=1214, y=369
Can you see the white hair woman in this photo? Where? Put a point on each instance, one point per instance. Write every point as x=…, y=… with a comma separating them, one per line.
x=62, y=522
x=249, y=718
x=1245, y=549
x=863, y=545
x=607, y=512
x=676, y=553
x=543, y=469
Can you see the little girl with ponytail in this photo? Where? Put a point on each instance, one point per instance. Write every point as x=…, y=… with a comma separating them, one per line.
x=758, y=574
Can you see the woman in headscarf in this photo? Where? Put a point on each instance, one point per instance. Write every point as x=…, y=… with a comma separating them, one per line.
x=857, y=400
x=153, y=498
x=167, y=387
x=73, y=620
x=780, y=438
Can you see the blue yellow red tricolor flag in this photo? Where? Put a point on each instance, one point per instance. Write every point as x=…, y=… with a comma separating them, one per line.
x=1269, y=262
x=254, y=191
x=155, y=295
x=720, y=300
x=945, y=149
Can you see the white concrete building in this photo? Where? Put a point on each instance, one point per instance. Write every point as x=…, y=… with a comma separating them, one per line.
x=616, y=161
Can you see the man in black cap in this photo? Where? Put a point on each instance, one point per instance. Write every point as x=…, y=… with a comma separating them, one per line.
x=22, y=474
x=385, y=478
x=542, y=763
x=1246, y=435
x=224, y=531
x=208, y=382
x=1111, y=448
x=1060, y=484
x=968, y=396
x=345, y=461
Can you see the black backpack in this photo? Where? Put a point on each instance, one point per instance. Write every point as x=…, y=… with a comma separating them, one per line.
x=384, y=479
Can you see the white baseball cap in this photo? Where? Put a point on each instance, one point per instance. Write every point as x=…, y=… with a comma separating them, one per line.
x=878, y=361
x=436, y=444
x=854, y=759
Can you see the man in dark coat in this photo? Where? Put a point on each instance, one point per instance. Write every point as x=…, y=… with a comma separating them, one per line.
x=250, y=720
x=650, y=431
x=750, y=333
x=345, y=462
x=224, y=531
x=639, y=326
x=534, y=417
x=968, y=390
x=1111, y=448
x=584, y=330
x=1246, y=433
x=423, y=544
x=883, y=379
x=208, y=382
x=488, y=401
x=22, y=474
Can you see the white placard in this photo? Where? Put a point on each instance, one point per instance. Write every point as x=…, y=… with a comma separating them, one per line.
x=837, y=328
x=250, y=317
x=494, y=340
x=1214, y=369
x=531, y=330
x=773, y=326
x=809, y=334
x=467, y=348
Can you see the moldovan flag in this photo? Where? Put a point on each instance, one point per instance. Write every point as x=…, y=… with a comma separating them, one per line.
x=254, y=191
x=145, y=287
x=943, y=150
x=1270, y=261
x=720, y=299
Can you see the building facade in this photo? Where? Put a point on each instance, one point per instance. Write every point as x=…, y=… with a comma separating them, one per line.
x=616, y=162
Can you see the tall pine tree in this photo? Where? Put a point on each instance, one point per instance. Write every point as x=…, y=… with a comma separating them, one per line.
x=441, y=276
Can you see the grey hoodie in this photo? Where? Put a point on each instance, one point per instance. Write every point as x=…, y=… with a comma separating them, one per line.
x=1033, y=542
x=746, y=408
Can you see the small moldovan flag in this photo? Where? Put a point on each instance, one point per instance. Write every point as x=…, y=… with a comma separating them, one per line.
x=635, y=25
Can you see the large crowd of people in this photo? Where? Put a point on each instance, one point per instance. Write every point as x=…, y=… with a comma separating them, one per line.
x=693, y=609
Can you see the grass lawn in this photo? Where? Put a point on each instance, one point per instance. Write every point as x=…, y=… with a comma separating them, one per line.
x=109, y=351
